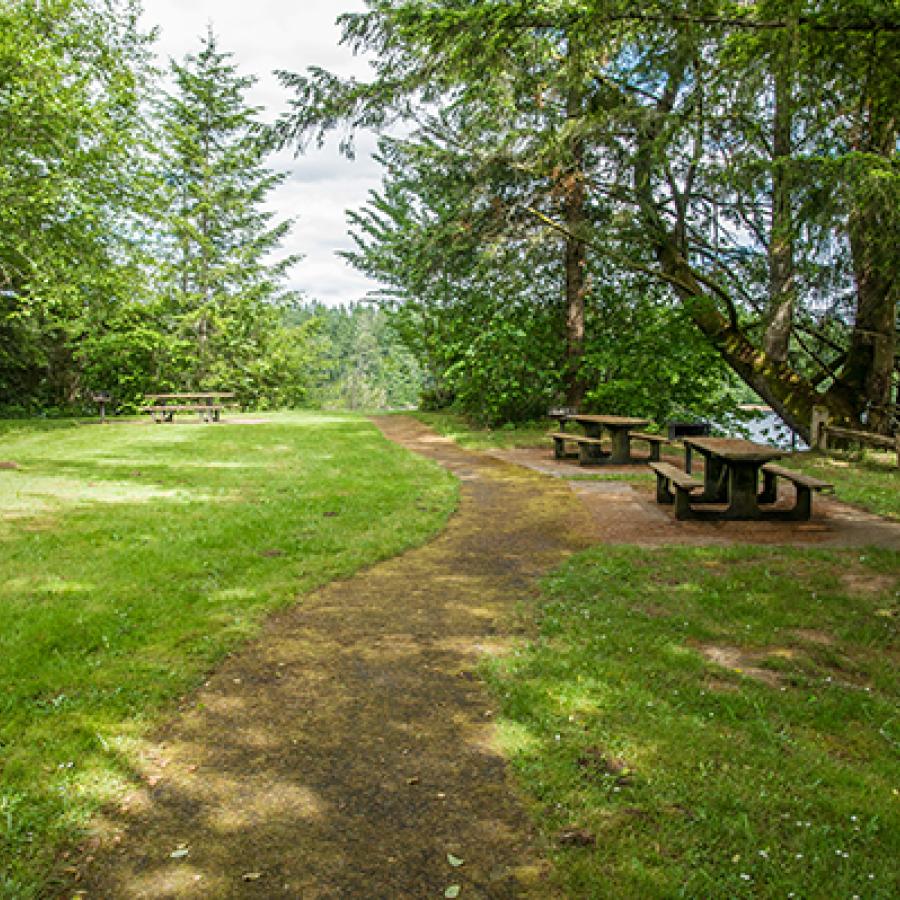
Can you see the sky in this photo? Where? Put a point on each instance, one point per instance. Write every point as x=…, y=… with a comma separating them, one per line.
x=264, y=35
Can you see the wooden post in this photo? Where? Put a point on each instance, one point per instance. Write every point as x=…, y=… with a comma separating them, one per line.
x=818, y=436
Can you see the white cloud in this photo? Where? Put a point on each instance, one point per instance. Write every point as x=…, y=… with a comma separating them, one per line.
x=265, y=35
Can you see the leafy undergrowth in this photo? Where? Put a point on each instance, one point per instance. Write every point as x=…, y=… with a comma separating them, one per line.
x=870, y=480
x=706, y=722
x=476, y=437
x=134, y=557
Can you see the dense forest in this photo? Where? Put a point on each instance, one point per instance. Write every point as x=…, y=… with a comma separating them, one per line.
x=633, y=205
x=659, y=209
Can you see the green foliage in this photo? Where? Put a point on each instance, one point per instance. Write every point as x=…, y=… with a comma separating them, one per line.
x=70, y=168
x=219, y=289
x=744, y=158
x=647, y=359
x=362, y=363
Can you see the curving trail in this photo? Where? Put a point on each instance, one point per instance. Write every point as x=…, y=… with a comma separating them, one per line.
x=350, y=748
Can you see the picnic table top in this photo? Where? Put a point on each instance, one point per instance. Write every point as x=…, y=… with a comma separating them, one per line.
x=205, y=395
x=614, y=421
x=736, y=449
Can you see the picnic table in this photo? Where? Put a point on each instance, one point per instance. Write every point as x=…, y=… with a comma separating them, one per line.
x=619, y=428
x=208, y=404
x=590, y=444
x=731, y=476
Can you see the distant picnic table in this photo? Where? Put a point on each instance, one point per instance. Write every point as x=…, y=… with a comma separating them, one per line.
x=207, y=404
x=591, y=450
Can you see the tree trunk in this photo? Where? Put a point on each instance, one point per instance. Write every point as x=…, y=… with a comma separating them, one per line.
x=574, y=200
x=873, y=226
x=782, y=288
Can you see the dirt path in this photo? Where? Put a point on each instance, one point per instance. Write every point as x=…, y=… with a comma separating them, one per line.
x=350, y=748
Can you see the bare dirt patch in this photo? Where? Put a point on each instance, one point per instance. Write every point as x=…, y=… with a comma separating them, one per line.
x=742, y=661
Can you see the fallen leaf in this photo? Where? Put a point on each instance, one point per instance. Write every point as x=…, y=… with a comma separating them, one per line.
x=454, y=861
x=452, y=891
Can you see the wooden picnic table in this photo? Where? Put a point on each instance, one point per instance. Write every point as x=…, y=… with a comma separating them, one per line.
x=730, y=473
x=619, y=428
x=208, y=404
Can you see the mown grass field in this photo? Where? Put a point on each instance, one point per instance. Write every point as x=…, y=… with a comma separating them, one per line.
x=134, y=557
x=705, y=722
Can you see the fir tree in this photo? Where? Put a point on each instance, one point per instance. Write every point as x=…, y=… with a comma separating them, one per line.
x=220, y=284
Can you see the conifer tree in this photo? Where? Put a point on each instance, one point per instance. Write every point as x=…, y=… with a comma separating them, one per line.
x=220, y=284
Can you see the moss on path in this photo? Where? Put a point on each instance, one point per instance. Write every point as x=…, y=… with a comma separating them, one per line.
x=350, y=748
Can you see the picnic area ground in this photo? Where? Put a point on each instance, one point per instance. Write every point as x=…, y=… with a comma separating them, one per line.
x=687, y=708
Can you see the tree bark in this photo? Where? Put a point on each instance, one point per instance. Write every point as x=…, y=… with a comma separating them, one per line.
x=576, y=278
x=782, y=287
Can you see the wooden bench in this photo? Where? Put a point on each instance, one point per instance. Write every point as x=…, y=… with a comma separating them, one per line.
x=804, y=485
x=559, y=444
x=866, y=438
x=561, y=438
x=668, y=475
x=585, y=457
x=654, y=440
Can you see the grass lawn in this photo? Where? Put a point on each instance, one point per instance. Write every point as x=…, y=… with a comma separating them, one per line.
x=134, y=557
x=706, y=722
x=474, y=437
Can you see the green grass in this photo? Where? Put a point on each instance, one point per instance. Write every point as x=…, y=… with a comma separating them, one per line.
x=134, y=557
x=476, y=437
x=771, y=773
x=869, y=479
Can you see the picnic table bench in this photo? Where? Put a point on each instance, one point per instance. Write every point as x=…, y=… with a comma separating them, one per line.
x=208, y=404
x=731, y=478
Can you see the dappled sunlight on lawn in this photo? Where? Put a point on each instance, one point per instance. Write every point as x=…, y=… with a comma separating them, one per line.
x=24, y=494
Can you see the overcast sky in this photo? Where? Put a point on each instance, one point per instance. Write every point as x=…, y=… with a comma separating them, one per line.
x=265, y=35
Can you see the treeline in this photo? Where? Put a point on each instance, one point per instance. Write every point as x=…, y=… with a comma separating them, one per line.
x=357, y=360
x=632, y=206
x=136, y=252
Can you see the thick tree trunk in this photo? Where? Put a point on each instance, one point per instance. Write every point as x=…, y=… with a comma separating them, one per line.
x=874, y=227
x=782, y=289
x=869, y=370
x=790, y=395
x=576, y=291
x=574, y=200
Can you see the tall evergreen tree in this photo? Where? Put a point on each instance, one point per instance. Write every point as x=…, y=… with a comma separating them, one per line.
x=220, y=283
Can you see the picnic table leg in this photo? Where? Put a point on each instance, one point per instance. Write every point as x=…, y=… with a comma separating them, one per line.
x=769, y=493
x=683, y=504
x=715, y=481
x=620, y=447
x=663, y=491
x=743, y=482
